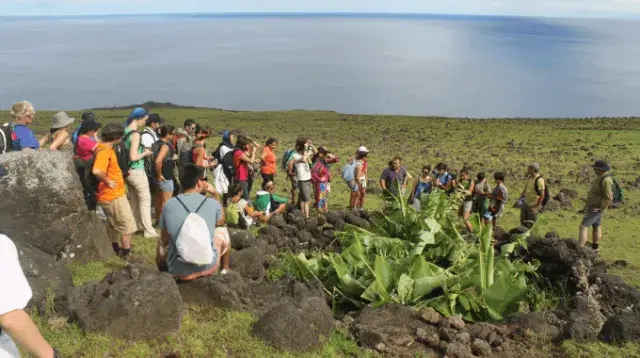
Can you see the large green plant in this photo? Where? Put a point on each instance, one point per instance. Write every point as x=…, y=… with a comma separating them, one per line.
x=419, y=259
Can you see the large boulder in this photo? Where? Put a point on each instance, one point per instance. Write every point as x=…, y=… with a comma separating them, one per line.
x=46, y=276
x=620, y=328
x=43, y=205
x=299, y=327
x=614, y=294
x=242, y=239
x=135, y=303
x=249, y=263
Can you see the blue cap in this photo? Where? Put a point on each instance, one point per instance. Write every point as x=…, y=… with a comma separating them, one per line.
x=138, y=113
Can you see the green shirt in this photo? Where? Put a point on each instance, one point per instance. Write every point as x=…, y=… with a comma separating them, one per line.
x=601, y=194
x=138, y=164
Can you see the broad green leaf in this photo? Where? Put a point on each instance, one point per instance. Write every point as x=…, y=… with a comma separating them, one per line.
x=383, y=272
x=426, y=277
x=504, y=294
x=405, y=287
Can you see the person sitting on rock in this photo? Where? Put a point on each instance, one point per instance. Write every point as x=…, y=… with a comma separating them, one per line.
x=269, y=203
x=174, y=215
x=15, y=323
x=110, y=190
x=240, y=212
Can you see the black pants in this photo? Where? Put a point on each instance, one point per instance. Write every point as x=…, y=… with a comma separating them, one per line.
x=266, y=178
x=88, y=189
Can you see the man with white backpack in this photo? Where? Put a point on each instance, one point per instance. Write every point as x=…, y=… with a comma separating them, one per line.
x=191, y=245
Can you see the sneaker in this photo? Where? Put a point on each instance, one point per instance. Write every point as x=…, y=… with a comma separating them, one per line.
x=224, y=271
x=155, y=235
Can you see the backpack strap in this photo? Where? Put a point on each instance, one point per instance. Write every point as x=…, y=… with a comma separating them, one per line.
x=187, y=209
x=201, y=204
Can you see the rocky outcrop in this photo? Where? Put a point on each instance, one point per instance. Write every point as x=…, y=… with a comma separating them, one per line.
x=46, y=277
x=300, y=326
x=42, y=205
x=134, y=303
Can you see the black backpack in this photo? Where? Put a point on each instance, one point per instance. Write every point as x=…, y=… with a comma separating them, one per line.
x=228, y=168
x=547, y=197
x=122, y=153
x=6, y=138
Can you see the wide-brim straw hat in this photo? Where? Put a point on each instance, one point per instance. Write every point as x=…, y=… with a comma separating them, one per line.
x=61, y=120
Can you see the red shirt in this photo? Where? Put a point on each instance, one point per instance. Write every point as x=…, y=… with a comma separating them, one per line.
x=242, y=170
x=84, y=147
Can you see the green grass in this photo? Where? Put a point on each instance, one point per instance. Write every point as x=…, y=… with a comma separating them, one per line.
x=563, y=147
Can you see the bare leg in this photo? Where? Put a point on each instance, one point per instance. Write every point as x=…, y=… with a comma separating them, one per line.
x=126, y=241
x=467, y=223
x=226, y=259
x=583, y=236
x=597, y=234
x=164, y=197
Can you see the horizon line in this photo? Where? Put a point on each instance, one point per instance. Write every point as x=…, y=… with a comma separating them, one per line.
x=310, y=14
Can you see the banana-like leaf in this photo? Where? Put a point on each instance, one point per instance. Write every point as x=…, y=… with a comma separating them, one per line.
x=405, y=288
x=502, y=297
x=378, y=290
x=426, y=276
x=486, y=259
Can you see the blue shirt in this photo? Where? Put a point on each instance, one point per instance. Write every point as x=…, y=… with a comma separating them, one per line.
x=444, y=178
x=174, y=215
x=24, y=138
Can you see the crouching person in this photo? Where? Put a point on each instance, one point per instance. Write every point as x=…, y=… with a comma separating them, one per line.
x=191, y=245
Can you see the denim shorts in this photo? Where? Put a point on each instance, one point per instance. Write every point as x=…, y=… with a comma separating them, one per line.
x=592, y=219
x=165, y=186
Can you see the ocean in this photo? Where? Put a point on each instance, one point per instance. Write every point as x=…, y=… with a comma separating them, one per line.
x=457, y=66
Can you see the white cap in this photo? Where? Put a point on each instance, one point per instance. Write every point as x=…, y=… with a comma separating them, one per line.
x=363, y=149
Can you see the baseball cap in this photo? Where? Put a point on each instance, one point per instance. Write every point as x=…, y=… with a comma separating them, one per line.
x=138, y=113
x=88, y=116
x=154, y=118
x=363, y=149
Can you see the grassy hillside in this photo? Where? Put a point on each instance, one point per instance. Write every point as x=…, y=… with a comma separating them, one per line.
x=565, y=148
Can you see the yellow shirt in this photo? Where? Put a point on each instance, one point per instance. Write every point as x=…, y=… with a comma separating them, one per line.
x=530, y=193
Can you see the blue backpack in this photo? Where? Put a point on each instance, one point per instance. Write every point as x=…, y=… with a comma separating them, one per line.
x=74, y=136
x=349, y=171
x=286, y=157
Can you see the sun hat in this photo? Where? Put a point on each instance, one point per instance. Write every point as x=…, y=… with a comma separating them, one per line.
x=535, y=166
x=601, y=165
x=363, y=149
x=61, y=120
x=138, y=113
x=88, y=116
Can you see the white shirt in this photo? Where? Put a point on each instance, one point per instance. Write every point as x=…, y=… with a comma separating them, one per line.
x=223, y=151
x=148, y=137
x=303, y=172
x=15, y=288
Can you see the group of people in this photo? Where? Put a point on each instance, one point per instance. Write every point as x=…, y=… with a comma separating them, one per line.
x=127, y=170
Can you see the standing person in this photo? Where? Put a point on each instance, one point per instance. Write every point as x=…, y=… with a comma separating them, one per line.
x=111, y=191
x=15, y=323
x=149, y=135
x=359, y=188
x=85, y=148
x=23, y=114
x=199, y=149
x=395, y=177
x=300, y=162
x=268, y=160
x=466, y=187
x=443, y=178
x=163, y=165
x=532, y=196
x=244, y=155
x=498, y=197
x=58, y=135
x=321, y=177
x=137, y=181
x=599, y=199
x=423, y=185
x=225, y=170
x=193, y=200
x=86, y=117
x=185, y=142
x=480, y=187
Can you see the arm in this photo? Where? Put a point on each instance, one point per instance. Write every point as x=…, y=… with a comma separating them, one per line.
x=162, y=154
x=383, y=184
x=290, y=168
x=161, y=253
x=133, y=151
x=59, y=140
x=212, y=190
x=472, y=187
x=540, y=197
x=200, y=154
x=42, y=141
x=607, y=200
x=21, y=328
x=100, y=169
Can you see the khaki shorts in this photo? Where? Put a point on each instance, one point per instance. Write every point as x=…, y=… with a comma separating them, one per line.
x=221, y=241
x=120, y=219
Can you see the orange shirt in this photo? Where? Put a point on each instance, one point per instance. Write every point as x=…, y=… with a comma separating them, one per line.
x=268, y=165
x=107, y=162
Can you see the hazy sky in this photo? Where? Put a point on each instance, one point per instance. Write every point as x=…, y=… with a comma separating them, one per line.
x=571, y=8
